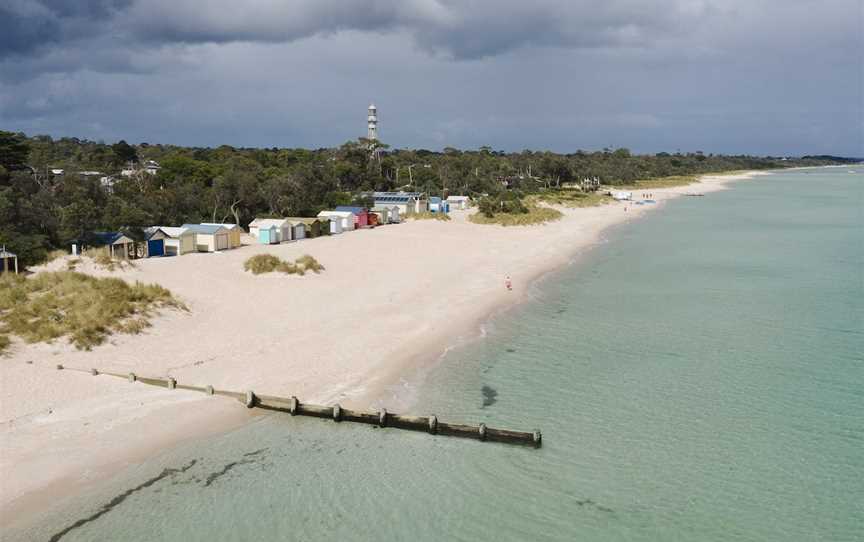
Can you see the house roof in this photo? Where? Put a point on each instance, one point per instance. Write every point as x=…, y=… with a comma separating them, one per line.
x=458, y=198
x=6, y=254
x=304, y=219
x=352, y=209
x=206, y=229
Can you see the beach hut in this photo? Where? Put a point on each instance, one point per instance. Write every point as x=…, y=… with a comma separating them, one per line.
x=209, y=238
x=267, y=234
x=382, y=216
x=622, y=196
x=235, y=232
x=298, y=228
x=335, y=223
x=459, y=202
x=119, y=246
x=173, y=241
x=315, y=227
x=8, y=261
x=361, y=215
x=283, y=229
x=345, y=218
x=437, y=205
x=391, y=212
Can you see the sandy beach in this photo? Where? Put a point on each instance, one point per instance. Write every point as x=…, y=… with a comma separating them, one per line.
x=391, y=300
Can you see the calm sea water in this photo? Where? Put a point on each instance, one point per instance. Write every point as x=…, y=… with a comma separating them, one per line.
x=698, y=377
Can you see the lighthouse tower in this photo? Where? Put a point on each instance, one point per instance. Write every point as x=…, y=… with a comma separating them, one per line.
x=372, y=134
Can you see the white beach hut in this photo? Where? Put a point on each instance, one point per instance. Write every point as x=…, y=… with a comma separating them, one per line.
x=283, y=228
x=459, y=202
x=346, y=218
x=209, y=238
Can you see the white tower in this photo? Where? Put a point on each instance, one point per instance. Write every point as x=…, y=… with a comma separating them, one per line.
x=372, y=134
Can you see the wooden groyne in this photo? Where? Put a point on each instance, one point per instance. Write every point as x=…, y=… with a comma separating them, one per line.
x=381, y=418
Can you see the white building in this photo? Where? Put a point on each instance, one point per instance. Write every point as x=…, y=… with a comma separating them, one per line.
x=459, y=202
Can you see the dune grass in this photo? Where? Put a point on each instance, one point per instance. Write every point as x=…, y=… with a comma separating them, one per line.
x=427, y=215
x=661, y=182
x=536, y=215
x=86, y=309
x=574, y=198
x=267, y=263
x=102, y=257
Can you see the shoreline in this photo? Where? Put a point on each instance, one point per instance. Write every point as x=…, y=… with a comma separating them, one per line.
x=131, y=417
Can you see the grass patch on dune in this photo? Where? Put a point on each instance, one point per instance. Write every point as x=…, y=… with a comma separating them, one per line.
x=102, y=258
x=661, y=182
x=535, y=214
x=86, y=309
x=267, y=263
x=426, y=215
x=574, y=198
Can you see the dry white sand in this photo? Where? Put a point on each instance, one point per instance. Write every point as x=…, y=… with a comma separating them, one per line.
x=390, y=300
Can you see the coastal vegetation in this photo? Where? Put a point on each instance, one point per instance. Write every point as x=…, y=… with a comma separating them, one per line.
x=426, y=215
x=267, y=263
x=662, y=182
x=53, y=191
x=573, y=198
x=513, y=209
x=84, y=308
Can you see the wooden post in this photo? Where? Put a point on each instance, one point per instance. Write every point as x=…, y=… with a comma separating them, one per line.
x=59, y=367
x=172, y=384
x=250, y=399
x=337, y=413
x=94, y=372
x=433, y=424
x=132, y=377
x=209, y=390
x=382, y=417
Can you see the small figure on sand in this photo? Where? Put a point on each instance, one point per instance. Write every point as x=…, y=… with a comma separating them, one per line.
x=508, y=283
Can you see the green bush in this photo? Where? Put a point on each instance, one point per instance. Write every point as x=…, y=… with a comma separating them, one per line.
x=267, y=263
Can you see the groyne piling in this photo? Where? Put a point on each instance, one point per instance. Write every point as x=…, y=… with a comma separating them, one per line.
x=337, y=413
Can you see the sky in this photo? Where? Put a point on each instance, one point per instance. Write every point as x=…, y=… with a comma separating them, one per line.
x=766, y=77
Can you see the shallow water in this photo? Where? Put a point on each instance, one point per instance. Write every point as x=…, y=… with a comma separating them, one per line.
x=698, y=377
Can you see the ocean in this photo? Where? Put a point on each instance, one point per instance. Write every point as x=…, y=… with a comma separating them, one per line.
x=697, y=376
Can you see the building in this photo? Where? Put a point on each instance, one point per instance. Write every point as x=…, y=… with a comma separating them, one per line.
x=235, y=233
x=372, y=132
x=315, y=227
x=118, y=245
x=408, y=202
x=283, y=228
x=209, y=238
x=346, y=219
x=8, y=261
x=298, y=229
x=390, y=213
x=361, y=215
x=622, y=196
x=459, y=202
x=267, y=234
x=437, y=205
x=152, y=167
x=335, y=222
x=168, y=241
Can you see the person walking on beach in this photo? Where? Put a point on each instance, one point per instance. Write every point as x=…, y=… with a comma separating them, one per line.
x=508, y=283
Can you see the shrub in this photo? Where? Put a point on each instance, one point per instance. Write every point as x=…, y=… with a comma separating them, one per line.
x=84, y=308
x=267, y=263
x=535, y=215
x=426, y=215
x=574, y=198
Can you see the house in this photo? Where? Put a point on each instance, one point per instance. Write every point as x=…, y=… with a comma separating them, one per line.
x=437, y=205
x=315, y=227
x=267, y=234
x=283, y=229
x=361, y=215
x=168, y=241
x=108, y=183
x=152, y=167
x=335, y=222
x=408, y=202
x=209, y=238
x=119, y=246
x=346, y=219
x=235, y=233
x=459, y=202
x=391, y=213
x=8, y=261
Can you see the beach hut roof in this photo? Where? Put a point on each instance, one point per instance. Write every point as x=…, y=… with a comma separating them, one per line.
x=458, y=198
x=206, y=229
x=226, y=226
x=341, y=214
x=6, y=254
x=260, y=222
x=109, y=238
x=351, y=209
x=304, y=219
x=169, y=231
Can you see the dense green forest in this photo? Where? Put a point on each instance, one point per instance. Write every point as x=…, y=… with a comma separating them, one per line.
x=40, y=211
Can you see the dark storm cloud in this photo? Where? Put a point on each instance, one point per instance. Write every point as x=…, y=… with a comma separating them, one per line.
x=715, y=75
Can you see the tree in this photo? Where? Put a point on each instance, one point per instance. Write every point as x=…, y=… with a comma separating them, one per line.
x=124, y=152
x=13, y=151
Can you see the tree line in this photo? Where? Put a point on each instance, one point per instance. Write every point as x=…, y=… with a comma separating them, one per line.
x=41, y=211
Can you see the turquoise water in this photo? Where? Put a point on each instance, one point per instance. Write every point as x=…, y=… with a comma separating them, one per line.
x=698, y=377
